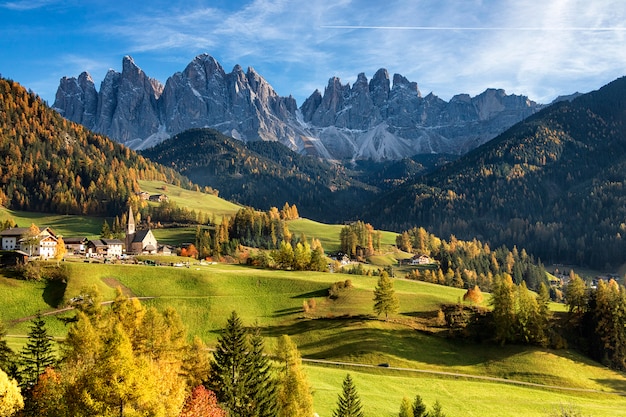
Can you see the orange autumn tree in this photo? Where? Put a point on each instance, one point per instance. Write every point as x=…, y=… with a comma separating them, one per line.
x=473, y=295
x=202, y=403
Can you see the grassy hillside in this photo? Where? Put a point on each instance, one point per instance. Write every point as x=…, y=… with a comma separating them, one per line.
x=328, y=234
x=345, y=330
x=192, y=200
x=63, y=224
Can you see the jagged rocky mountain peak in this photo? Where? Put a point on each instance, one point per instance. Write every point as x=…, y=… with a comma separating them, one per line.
x=379, y=118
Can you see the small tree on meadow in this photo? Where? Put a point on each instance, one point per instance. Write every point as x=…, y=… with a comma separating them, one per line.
x=473, y=295
x=436, y=411
x=419, y=408
x=38, y=352
x=385, y=299
x=405, y=408
x=348, y=404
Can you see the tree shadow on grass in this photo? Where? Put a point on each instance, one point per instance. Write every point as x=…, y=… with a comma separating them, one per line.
x=617, y=385
x=352, y=337
x=287, y=312
x=313, y=294
x=420, y=314
x=53, y=292
x=303, y=325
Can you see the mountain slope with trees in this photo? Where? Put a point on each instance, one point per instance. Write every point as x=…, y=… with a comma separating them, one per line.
x=50, y=164
x=554, y=184
x=262, y=174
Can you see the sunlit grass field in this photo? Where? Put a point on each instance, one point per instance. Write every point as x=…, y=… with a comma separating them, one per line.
x=192, y=200
x=328, y=234
x=343, y=330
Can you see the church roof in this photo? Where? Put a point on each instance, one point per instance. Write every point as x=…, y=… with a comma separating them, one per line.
x=141, y=235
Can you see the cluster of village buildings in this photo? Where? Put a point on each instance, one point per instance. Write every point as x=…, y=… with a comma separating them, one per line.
x=19, y=244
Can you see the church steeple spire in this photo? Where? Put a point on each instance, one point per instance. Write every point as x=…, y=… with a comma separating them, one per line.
x=130, y=227
x=130, y=230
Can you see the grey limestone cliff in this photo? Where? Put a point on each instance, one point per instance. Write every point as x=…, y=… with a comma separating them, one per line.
x=378, y=119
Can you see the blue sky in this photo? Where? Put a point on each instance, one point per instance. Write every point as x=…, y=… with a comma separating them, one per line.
x=540, y=48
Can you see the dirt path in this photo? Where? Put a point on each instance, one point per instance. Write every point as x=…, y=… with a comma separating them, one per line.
x=114, y=283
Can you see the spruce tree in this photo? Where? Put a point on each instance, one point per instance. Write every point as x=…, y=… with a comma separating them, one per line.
x=38, y=352
x=348, y=404
x=436, y=411
x=228, y=369
x=105, y=232
x=385, y=299
x=261, y=385
x=419, y=408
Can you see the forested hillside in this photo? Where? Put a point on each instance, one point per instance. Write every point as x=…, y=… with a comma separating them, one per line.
x=554, y=184
x=262, y=174
x=52, y=165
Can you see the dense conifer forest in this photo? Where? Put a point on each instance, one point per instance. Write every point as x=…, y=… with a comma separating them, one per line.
x=553, y=184
x=49, y=164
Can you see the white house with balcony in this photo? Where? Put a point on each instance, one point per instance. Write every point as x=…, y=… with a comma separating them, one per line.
x=42, y=244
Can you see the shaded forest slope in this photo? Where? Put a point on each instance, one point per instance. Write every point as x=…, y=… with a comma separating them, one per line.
x=554, y=184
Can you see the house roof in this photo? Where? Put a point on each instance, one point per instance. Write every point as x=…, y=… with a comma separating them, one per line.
x=20, y=231
x=97, y=243
x=14, y=231
x=112, y=241
x=74, y=240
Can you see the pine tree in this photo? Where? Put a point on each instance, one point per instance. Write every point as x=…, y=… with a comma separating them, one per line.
x=105, y=232
x=261, y=385
x=436, y=411
x=348, y=404
x=385, y=299
x=503, y=303
x=419, y=408
x=38, y=352
x=228, y=369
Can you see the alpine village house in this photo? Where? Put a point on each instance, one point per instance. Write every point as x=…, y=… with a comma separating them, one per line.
x=21, y=243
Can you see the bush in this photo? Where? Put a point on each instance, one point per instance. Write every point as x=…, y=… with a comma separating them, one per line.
x=338, y=287
x=30, y=271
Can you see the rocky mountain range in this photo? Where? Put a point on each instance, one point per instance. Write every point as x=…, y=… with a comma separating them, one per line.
x=380, y=119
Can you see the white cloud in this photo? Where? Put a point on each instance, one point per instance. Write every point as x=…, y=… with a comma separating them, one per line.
x=537, y=47
x=26, y=4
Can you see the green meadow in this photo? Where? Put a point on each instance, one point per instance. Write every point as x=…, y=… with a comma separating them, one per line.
x=343, y=330
x=193, y=200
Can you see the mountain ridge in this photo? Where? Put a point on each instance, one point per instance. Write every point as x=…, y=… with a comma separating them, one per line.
x=379, y=119
x=553, y=183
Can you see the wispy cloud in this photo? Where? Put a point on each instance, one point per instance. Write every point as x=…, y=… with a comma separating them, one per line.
x=26, y=4
x=537, y=47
